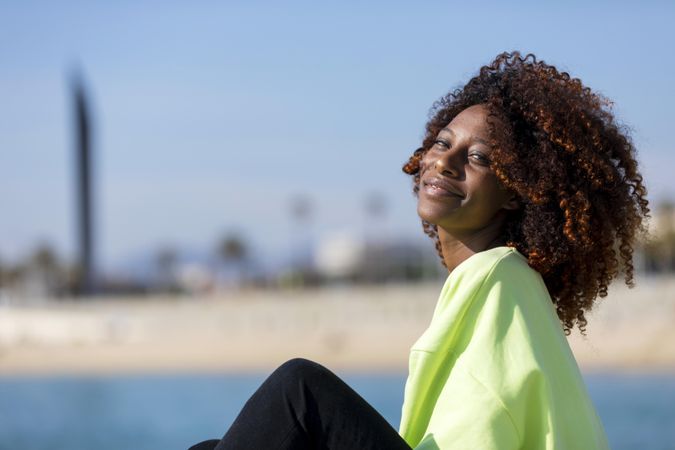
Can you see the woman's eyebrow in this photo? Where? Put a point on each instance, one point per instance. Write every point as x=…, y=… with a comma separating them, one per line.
x=473, y=138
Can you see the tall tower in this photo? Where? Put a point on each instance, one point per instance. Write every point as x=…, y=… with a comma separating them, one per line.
x=83, y=162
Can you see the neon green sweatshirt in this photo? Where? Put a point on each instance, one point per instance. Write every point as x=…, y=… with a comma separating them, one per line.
x=494, y=369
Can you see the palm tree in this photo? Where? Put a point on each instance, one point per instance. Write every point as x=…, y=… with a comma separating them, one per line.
x=45, y=265
x=375, y=237
x=232, y=249
x=301, y=210
x=166, y=260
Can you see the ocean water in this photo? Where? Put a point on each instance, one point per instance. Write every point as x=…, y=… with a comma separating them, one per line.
x=174, y=412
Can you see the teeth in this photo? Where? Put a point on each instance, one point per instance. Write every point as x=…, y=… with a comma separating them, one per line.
x=435, y=186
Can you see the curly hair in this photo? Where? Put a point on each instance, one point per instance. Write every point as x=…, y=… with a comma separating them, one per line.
x=558, y=147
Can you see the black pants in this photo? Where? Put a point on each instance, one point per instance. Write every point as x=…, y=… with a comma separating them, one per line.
x=303, y=405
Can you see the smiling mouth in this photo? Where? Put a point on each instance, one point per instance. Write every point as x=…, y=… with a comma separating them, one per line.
x=436, y=188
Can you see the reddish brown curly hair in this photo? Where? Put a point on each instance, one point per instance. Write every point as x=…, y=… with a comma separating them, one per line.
x=558, y=147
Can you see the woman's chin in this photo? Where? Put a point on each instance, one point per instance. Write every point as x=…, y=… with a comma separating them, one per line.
x=431, y=215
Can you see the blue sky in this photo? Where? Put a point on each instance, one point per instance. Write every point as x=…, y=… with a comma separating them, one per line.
x=212, y=116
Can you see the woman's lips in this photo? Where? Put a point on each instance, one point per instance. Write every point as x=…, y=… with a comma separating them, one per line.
x=439, y=188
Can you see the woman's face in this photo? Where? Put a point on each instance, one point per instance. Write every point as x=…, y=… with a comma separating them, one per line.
x=458, y=191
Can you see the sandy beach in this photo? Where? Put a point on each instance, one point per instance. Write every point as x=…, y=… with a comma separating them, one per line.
x=346, y=328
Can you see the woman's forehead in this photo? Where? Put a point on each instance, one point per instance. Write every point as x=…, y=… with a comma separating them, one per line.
x=470, y=122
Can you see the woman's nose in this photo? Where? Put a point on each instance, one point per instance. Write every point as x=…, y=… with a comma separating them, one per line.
x=448, y=164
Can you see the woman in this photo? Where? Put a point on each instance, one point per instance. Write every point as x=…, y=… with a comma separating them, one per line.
x=532, y=195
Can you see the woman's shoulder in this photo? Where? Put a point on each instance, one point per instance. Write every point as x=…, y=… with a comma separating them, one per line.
x=496, y=265
x=506, y=304
x=487, y=260
x=483, y=289
x=512, y=267
x=510, y=286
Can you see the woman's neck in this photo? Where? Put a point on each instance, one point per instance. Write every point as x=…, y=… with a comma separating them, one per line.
x=457, y=249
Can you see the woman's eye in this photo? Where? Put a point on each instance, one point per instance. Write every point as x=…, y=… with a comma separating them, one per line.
x=480, y=158
x=441, y=143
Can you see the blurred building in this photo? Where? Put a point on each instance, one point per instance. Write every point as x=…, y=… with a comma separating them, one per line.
x=346, y=258
x=658, y=250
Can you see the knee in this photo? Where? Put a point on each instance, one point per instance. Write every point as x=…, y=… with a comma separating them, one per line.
x=300, y=379
x=297, y=366
x=301, y=369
